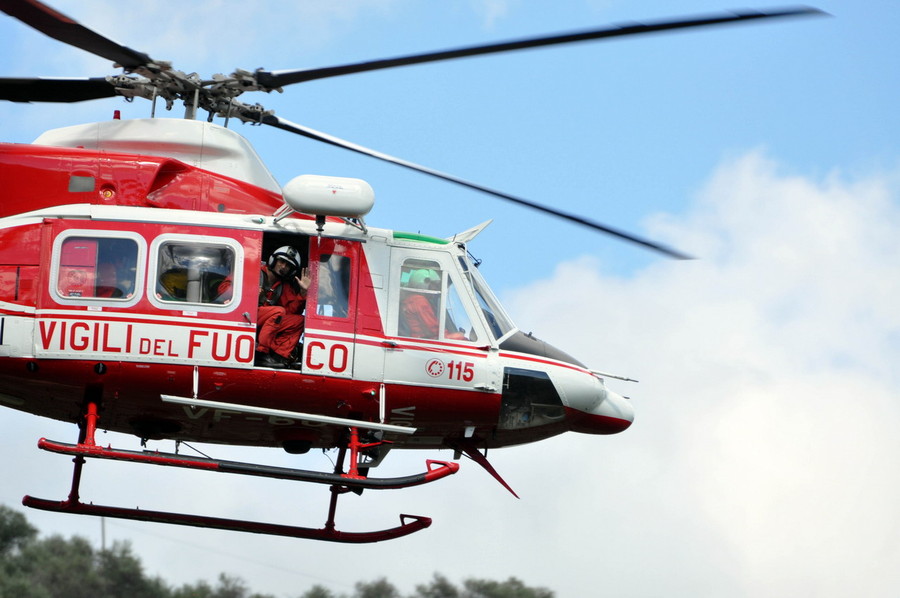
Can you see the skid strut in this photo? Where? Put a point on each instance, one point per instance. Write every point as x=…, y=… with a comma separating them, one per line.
x=339, y=481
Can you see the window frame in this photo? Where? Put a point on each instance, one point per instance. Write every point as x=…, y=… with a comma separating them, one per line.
x=201, y=240
x=322, y=266
x=483, y=293
x=139, y=272
x=446, y=267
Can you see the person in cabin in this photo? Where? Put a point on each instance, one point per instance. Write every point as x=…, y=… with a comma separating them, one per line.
x=284, y=284
x=419, y=304
x=107, y=282
x=417, y=314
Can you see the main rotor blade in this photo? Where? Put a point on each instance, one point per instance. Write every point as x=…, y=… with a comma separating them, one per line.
x=280, y=78
x=286, y=125
x=62, y=28
x=55, y=90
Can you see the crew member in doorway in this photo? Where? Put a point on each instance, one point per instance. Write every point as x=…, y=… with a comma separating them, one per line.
x=284, y=283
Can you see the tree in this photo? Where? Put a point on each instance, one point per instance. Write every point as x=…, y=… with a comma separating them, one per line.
x=231, y=587
x=318, y=591
x=122, y=574
x=201, y=589
x=380, y=588
x=67, y=568
x=440, y=587
x=15, y=531
x=15, y=534
x=511, y=588
x=228, y=587
x=63, y=568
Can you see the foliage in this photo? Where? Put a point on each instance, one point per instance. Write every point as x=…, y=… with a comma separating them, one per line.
x=441, y=587
x=56, y=567
x=511, y=588
x=15, y=531
x=229, y=587
x=380, y=588
x=318, y=591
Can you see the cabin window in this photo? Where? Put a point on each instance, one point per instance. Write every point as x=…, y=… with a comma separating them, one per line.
x=430, y=306
x=96, y=267
x=333, y=290
x=195, y=272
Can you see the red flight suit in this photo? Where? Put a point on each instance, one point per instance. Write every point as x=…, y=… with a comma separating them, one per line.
x=279, y=325
x=419, y=316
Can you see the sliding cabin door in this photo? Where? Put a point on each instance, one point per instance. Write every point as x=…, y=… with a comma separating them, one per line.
x=331, y=313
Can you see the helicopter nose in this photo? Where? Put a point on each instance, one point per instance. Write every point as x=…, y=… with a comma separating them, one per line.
x=612, y=414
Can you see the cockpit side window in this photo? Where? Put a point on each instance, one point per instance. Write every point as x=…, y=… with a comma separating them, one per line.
x=430, y=306
x=458, y=325
x=420, y=298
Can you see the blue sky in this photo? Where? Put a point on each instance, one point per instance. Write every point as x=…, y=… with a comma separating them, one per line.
x=763, y=457
x=617, y=130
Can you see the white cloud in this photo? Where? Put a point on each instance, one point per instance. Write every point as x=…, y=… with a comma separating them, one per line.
x=194, y=33
x=768, y=393
x=491, y=11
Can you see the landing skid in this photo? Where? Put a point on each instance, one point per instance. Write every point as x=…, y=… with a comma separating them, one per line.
x=408, y=523
x=339, y=481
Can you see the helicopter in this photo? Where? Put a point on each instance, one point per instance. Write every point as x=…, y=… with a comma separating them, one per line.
x=130, y=293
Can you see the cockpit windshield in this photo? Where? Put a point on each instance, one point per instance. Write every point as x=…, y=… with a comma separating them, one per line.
x=498, y=321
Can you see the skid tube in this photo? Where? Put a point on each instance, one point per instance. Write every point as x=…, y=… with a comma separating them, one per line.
x=340, y=482
x=408, y=523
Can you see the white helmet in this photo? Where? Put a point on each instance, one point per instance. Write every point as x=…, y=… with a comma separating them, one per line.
x=288, y=254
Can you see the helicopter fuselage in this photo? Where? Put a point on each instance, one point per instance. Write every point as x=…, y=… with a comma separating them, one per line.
x=130, y=271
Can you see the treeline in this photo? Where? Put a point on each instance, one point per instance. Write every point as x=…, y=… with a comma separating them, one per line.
x=56, y=567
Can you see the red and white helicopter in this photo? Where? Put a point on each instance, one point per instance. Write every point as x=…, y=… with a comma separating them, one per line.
x=130, y=258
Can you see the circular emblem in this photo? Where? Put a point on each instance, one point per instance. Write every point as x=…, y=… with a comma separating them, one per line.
x=435, y=368
x=75, y=277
